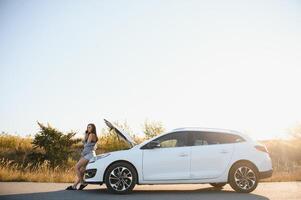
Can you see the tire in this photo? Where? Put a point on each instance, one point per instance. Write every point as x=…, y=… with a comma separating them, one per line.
x=243, y=177
x=218, y=185
x=121, y=178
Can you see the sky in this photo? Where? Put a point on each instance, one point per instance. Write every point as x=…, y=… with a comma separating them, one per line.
x=218, y=64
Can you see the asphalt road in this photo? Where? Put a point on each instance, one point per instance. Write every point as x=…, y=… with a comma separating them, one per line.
x=55, y=191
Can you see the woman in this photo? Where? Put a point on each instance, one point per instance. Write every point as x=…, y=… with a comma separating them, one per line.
x=87, y=154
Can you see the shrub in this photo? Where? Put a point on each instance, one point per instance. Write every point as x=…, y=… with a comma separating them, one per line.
x=54, y=146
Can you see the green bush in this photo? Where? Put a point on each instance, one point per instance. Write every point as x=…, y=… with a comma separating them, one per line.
x=54, y=146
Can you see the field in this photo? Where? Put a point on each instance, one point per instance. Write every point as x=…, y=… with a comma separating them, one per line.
x=14, y=165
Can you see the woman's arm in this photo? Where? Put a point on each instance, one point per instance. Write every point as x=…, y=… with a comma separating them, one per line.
x=91, y=138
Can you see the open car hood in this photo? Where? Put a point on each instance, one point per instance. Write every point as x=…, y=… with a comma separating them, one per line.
x=121, y=134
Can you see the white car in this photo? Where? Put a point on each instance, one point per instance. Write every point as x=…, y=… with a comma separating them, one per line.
x=184, y=155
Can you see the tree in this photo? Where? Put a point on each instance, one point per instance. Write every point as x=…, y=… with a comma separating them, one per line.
x=152, y=129
x=53, y=145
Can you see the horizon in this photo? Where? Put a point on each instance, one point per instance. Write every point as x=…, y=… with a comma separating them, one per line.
x=79, y=134
x=232, y=65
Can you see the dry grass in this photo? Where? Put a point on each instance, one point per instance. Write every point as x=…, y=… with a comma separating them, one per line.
x=284, y=176
x=8, y=141
x=10, y=171
x=285, y=172
x=285, y=154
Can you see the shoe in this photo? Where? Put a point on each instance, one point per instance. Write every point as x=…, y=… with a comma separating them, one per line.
x=71, y=188
x=82, y=186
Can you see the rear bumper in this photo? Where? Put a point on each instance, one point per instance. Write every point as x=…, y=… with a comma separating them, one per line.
x=265, y=174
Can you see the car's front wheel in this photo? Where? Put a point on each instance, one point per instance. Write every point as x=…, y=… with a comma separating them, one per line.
x=121, y=178
x=243, y=177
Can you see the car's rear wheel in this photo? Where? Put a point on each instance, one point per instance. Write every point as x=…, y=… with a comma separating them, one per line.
x=121, y=178
x=218, y=185
x=243, y=177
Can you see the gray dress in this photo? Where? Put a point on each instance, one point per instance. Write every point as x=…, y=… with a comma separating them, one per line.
x=89, y=150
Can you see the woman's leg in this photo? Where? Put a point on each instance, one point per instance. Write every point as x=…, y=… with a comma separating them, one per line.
x=82, y=170
x=78, y=169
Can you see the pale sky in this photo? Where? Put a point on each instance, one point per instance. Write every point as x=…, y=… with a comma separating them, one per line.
x=218, y=64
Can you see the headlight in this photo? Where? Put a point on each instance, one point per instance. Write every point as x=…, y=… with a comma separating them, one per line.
x=98, y=157
x=102, y=156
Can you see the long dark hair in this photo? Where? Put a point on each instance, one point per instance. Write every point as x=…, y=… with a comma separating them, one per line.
x=92, y=131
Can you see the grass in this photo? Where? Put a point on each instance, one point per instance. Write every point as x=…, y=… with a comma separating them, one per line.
x=285, y=172
x=10, y=171
x=284, y=176
x=14, y=149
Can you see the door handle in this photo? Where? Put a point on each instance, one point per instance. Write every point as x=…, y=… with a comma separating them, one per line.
x=224, y=151
x=183, y=155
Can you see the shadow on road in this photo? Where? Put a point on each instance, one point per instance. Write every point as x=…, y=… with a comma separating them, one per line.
x=90, y=194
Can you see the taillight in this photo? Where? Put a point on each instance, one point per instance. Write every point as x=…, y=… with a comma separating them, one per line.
x=261, y=148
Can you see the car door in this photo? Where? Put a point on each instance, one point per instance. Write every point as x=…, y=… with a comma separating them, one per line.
x=210, y=154
x=169, y=161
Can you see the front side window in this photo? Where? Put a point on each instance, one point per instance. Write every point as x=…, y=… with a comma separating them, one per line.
x=177, y=139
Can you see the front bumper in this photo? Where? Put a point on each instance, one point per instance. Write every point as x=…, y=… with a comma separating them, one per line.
x=90, y=173
x=94, y=172
x=96, y=183
x=265, y=174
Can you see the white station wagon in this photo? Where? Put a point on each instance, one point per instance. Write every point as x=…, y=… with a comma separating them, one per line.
x=184, y=155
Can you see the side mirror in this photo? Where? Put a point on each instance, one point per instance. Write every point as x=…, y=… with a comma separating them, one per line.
x=154, y=144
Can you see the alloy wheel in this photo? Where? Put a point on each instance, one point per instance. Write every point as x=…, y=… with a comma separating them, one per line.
x=120, y=178
x=245, y=178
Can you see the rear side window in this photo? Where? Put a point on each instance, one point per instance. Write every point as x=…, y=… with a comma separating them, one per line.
x=197, y=138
